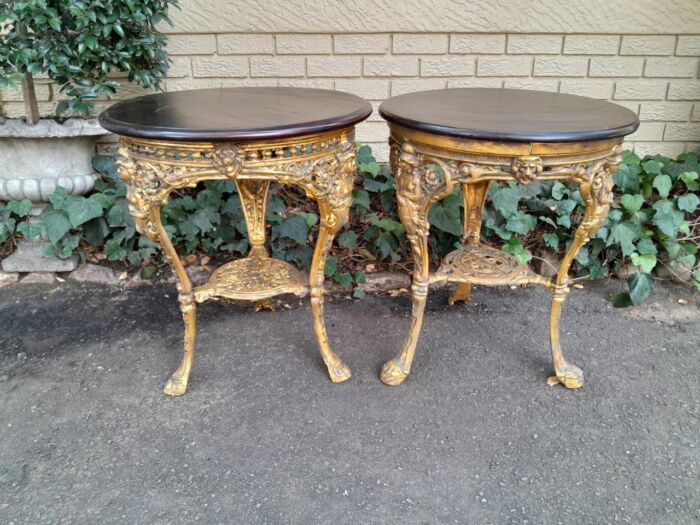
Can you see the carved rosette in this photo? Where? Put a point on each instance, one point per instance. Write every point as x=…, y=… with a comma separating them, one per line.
x=227, y=158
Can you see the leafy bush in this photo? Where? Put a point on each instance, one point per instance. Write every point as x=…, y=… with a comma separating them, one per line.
x=80, y=44
x=655, y=221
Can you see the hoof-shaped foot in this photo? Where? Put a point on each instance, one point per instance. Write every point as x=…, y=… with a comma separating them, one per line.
x=264, y=304
x=570, y=376
x=462, y=293
x=392, y=374
x=339, y=373
x=176, y=385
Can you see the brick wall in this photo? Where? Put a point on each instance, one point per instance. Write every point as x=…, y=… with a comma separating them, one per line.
x=656, y=76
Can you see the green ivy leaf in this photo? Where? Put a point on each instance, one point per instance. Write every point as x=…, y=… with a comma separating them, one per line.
x=331, y=265
x=505, y=200
x=646, y=247
x=20, y=208
x=624, y=234
x=56, y=224
x=663, y=184
x=344, y=279
x=551, y=240
x=114, y=250
x=80, y=210
x=348, y=239
x=632, y=203
x=652, y=167
x=690, y=179
x=29, y=229
x=667, y=218
x=688, y=202
x=445, y=215
x=295, y=227
x=640, y=285
x=516, y=249
x=645, y=263
x=358, y=293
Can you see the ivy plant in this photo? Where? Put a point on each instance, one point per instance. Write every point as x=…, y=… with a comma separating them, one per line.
x=654, y=222
x=81, y=45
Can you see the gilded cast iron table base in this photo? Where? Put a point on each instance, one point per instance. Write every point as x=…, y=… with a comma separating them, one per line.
x=322, y=164
x=429, y=166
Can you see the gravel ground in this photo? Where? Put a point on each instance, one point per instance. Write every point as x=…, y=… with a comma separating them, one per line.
x=474, y=436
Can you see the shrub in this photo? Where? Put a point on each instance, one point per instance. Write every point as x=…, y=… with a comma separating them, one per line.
x=81, y=44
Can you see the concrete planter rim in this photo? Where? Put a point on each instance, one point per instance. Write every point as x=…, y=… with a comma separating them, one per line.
x=50, y=128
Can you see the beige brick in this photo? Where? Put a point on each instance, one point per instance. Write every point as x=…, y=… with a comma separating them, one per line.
x=484, y=44
x=684, y=90
x=648, y=45
x=191, y=44
x=591, y=44
x=316, y=83
x=334, y=66
x=667, y=149
x=372, y=132
x=632, y=106
x=696, y=113
x=17, y=110
x=616, y=67
x=368, y=88
x=640, y=89
x=561, y=66
x=505, y=66
x=401, y=87
x=14, y=94
x=277, y=66
x=375, y=116
x=533, y=83
x=249, y=82
x=589, y=87
x=181, y=84
x=391, y=66
x=670, y=111
x=447, y=66
x=361, y=44
x=534, y=44
x=648, y=131
x=419, y=44
x=180, y=67
x=303, y=44
x=688, y=45
x=687, y=132
x=238, y=44
x=220, y=66
x=671, y=67
x=380, y=151
x=692, y=147
x=475, y=83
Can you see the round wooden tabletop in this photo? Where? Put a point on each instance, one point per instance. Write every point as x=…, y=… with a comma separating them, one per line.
x=509, y=115
x=236, y=114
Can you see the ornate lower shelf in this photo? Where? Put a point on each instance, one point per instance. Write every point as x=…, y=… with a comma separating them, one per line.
x=252, y=279
x=485, y=266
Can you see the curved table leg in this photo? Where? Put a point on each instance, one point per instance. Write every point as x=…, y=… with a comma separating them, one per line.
x=177, y=384
x=596, y=193
x=474, y=195
x=331, y=222
x=395, y=371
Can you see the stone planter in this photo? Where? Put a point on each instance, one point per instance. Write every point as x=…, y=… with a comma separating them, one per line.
x=34, y=160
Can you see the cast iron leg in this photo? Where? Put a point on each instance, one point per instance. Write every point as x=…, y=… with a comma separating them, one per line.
x=596, y=192
x=331, y=222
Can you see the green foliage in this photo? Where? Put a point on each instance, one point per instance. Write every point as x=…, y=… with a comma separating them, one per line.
x=81, y=44
x=655, y=221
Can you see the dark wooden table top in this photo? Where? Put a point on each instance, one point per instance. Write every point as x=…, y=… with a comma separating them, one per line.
x=509, y=115
x=236, y=114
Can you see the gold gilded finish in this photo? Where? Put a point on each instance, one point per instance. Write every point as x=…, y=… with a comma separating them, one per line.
x=322, y=164
x=428, y=166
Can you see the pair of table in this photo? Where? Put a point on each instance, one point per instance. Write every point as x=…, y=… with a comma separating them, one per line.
x=439, y=140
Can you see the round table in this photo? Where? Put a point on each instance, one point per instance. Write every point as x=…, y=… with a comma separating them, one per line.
x=252, y=136
x=470, y=137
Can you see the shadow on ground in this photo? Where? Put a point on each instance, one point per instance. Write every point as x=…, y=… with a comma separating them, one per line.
x=474, y=436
